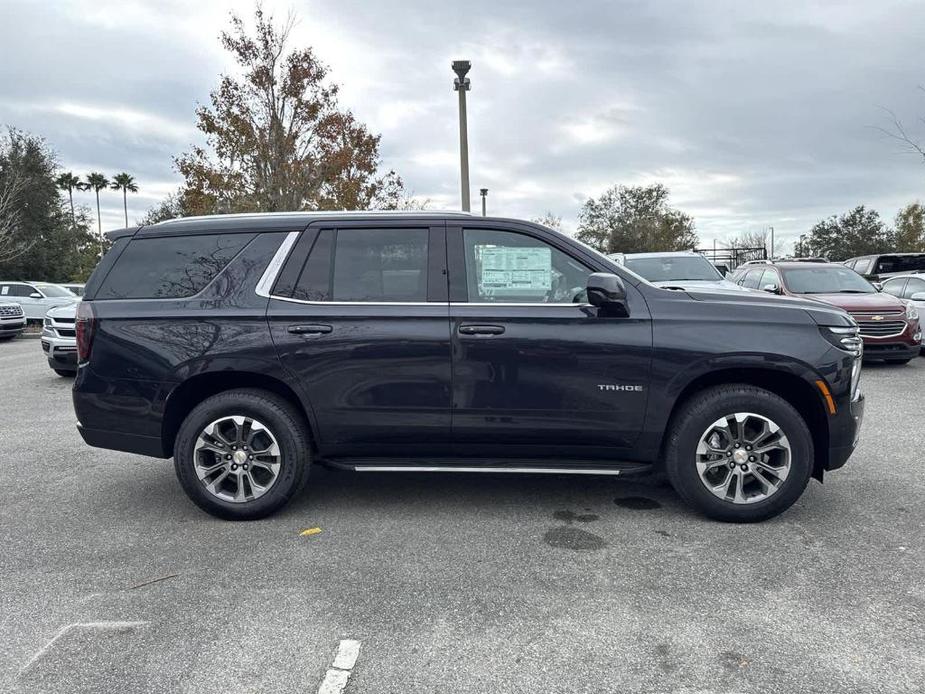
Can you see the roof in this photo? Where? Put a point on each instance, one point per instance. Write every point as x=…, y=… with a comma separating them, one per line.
x=659, y=254
x=279, y=221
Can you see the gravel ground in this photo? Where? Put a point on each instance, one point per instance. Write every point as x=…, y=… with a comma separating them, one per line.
x=452, y=583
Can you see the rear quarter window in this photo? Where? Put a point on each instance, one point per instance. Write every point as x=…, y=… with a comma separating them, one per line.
x=170, y=267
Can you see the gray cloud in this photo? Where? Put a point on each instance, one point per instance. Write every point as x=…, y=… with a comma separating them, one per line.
x=752, y=113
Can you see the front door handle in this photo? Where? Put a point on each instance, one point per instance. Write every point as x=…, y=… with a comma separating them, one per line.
x=310, y=329
x=481, y=329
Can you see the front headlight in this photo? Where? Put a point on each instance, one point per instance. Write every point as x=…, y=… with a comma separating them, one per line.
x=47, y=322
x=911, y=312
x=847, y=338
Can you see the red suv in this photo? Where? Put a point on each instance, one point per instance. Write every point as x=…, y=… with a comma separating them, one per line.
x=889, y=326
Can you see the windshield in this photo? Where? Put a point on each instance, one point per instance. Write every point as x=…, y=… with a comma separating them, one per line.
x=673, y=268
x=832, y=279
x=54, y=291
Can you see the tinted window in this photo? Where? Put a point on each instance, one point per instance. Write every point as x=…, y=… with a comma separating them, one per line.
x=54, y=291
x=170, y=267
x=503, y=266
x=752, y=278
x=314, y=282
x=369, y=265
x=894, y=287
x=914, y=286
x=769, y=277
x=15, y=290
x=674, y=268
x=826, y=279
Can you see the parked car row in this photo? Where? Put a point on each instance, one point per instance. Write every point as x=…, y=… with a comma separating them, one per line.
x=888, y=319
x=36, y=298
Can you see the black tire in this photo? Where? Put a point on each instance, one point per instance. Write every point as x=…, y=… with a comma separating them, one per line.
x=65, y=374
x=287, y=427
x=898, y=362
x=698, y=413
x=4, y=338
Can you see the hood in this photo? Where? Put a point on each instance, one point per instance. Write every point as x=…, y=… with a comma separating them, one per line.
x=821, y=312
x=860, y=302
x=701, y=284
x=68, y=310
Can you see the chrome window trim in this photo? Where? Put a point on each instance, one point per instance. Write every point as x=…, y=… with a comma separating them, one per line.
x=410, y=303
x=265, y=284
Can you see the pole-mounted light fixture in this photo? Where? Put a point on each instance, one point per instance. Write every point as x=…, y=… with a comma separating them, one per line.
x=484, y=193
x=461, y=85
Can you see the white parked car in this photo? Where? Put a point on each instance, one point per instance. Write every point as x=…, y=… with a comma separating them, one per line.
x=59, y=339
x=676, y=270
x=909, y=288
x=12, y=319
x=36, y=298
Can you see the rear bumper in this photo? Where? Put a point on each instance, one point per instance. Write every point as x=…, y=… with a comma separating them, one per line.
x=844, y=433
x=119, y=441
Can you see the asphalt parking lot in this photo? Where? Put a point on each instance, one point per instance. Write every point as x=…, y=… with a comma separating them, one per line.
x=452, y=583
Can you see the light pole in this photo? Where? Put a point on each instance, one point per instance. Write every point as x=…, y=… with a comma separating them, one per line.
x=484, y=193
x=772, y=243
x=461, y=85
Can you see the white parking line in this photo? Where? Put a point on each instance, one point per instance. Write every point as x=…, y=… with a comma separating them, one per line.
x=105, y=626
x=335, y=679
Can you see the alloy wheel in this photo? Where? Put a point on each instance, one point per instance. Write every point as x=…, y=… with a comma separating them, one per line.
x=743, y=458
x=237, y=459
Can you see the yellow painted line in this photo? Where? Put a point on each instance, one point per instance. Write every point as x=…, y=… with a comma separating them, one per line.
x=309, y=531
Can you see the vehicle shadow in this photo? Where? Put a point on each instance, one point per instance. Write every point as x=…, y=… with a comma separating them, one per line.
x=482, y=492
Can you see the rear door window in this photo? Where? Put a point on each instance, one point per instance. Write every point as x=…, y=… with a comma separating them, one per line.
x=170, y=267
x=862, y=266
x=358, y=265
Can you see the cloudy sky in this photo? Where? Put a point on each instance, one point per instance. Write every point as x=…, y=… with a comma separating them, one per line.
x=752, y=113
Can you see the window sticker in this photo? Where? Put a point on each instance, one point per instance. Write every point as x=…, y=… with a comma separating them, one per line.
x=514, y=270
x=4, y=290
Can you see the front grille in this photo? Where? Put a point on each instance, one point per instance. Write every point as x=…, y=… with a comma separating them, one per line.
x=11, y=311
x=66, y=332
x=881, y=328
x=69, y=321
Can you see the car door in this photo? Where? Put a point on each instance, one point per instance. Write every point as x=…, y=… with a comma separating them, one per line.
x=359, y=317
x=536, y=370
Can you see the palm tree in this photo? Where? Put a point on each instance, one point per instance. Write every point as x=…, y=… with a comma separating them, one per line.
x=96, y=182
x=125, y=183
x=69, y=182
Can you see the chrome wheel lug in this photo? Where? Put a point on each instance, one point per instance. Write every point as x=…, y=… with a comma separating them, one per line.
x=751, y=458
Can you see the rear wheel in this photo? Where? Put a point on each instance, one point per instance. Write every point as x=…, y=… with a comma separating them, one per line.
x=739, y=453
x=66, y=374
x=242, y=454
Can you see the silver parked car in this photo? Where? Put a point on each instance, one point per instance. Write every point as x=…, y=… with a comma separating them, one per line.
x=909, y=288
x=676, y=270
x=12, y=319
x=36, y=297
x=59, y=339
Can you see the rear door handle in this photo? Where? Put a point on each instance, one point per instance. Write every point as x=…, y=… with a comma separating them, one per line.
x=310, y=329
x=481, y=329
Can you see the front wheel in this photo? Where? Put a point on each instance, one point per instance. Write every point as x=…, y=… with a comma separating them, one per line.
x=242, y=454
x=739, y=453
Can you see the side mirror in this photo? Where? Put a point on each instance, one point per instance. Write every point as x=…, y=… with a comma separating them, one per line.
x=607, y=291
x=35, y=295
x=877, y=286
x=772, y=288
x=918, y=296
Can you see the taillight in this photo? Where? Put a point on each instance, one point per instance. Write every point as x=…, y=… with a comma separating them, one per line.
x=85, y=327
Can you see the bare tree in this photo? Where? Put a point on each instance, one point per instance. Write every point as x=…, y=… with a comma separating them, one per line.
x=897, y=131
x=748, y=239
x=12, y=243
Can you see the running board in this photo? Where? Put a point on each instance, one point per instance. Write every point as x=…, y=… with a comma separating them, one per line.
x=375, y=465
